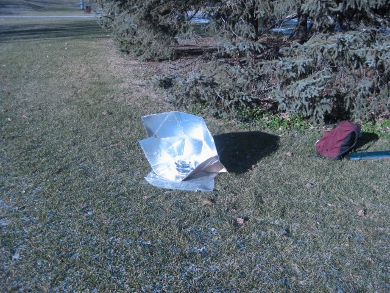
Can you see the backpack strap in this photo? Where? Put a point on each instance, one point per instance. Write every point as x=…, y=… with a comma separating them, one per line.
x=357, y=135
x=357, y=132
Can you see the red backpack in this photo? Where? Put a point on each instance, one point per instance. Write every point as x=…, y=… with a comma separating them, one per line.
x=339, y=141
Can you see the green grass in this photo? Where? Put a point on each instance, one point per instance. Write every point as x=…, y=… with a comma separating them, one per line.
x=41, y=7
x=77, y=215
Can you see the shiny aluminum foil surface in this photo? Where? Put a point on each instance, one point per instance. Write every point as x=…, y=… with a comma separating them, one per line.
x=181, y=152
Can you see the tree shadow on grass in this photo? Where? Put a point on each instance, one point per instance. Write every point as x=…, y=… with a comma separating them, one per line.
x=239, y=151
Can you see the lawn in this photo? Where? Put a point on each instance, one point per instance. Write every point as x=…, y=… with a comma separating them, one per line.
x=77, y=215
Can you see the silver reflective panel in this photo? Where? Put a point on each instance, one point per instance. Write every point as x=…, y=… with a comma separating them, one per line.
x=181, y=152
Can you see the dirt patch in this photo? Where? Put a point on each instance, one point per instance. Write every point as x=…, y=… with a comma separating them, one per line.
x=136, y=78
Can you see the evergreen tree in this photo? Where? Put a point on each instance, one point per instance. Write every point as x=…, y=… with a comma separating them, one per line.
x=148, y=28
x=335, y=63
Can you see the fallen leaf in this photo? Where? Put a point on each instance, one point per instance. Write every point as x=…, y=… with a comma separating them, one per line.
x=309, y=185
x=208, y=201
x=240, y=221
x=289, y=154
x=59, y=170
x=24, y=117
x=105, y=113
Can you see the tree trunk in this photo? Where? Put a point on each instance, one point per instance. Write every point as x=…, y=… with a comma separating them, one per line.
x=300, y=33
